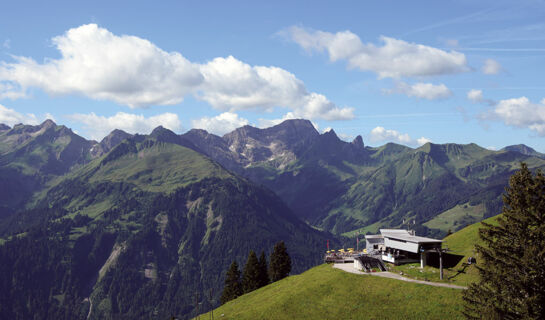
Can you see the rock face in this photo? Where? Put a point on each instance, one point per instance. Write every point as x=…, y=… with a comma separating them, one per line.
x=4, y=127
x=278, y=145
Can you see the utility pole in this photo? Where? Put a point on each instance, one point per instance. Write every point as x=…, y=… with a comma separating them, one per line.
x=211, y=304
x=441, y=251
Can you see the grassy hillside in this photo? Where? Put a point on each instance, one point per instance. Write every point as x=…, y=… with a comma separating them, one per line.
x=463, y=243
x=457, y=217
x=326, y=293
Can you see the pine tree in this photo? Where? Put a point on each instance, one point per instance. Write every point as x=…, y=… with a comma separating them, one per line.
x=280, y=262
x=250, y=277
x=263, y=270
x=233, y=288
x=512, y=266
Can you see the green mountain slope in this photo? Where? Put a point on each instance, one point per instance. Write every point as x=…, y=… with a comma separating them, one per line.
x=384, y=186
x=138, y=232
x=32, y=155
x=344, y=187
x=327, y=293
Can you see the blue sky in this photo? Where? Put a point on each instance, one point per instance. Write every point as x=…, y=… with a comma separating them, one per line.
x=406, y=72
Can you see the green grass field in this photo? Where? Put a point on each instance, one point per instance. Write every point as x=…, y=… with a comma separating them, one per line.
x=326, y=293
x=463, y=243
x=453, y=218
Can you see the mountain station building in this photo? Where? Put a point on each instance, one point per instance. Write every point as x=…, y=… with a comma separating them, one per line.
x=400, y=246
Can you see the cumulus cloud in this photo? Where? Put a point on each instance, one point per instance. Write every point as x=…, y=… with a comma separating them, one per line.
x=393, y=58
x=9, y=91
x=100, y=65
x=380, y=134
x=133, y=71
x=421, y=90
x=491, y=66
x=220, y=124
x=232, y=85
x=99, y=126
x=475, y=95
x=12, y=117
x=521, y=113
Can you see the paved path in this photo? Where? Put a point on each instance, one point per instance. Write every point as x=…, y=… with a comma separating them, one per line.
x=349, y=267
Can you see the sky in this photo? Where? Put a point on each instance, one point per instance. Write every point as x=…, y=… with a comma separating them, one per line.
x=390, y=71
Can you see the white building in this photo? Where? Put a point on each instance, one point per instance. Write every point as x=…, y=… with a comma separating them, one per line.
x=400, y=246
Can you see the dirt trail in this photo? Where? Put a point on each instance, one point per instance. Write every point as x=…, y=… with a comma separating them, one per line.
x=349, y=267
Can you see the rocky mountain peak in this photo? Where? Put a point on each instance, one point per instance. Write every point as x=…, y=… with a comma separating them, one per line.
x=330, y=135
x=113, y=139
x=358, y=142
x=4, y=127
x=163, y=134
x=48, y=124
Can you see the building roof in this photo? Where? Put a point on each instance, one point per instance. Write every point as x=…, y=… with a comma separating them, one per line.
x=400, y=234
x=374, y=236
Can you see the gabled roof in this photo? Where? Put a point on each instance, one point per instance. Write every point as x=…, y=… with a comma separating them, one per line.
x=404, y=235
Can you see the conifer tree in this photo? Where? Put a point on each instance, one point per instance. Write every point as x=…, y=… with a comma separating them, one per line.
x=512, y=266
x=233, y=288
x=280, y=262
x=263, y=270
x=250, y=277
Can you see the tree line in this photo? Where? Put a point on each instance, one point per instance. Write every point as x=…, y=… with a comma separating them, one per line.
x=257, y=273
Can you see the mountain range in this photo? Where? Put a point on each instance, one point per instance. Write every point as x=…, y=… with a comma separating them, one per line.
x=137, y=225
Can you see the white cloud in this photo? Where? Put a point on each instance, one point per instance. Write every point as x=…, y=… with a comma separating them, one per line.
x=475, y=95
x=422, y=140
x=232, y=85
x=7, y=44
x=491, y=66
x=393, y=59
x=99, y=126
x=380, y=134
x=521, y=113
x=133, y=71
x=9, y=91
x=100, y=65
x=12, y=117
x=421, y=90
x=492, y=148
x=220, y=124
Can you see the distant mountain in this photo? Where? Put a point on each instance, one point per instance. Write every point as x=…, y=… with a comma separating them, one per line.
x=32, y=155
x=341, y=186
x=136, y=225
x=525, y=150
x=332, y=184
x=138, y=232
x=109, y=142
